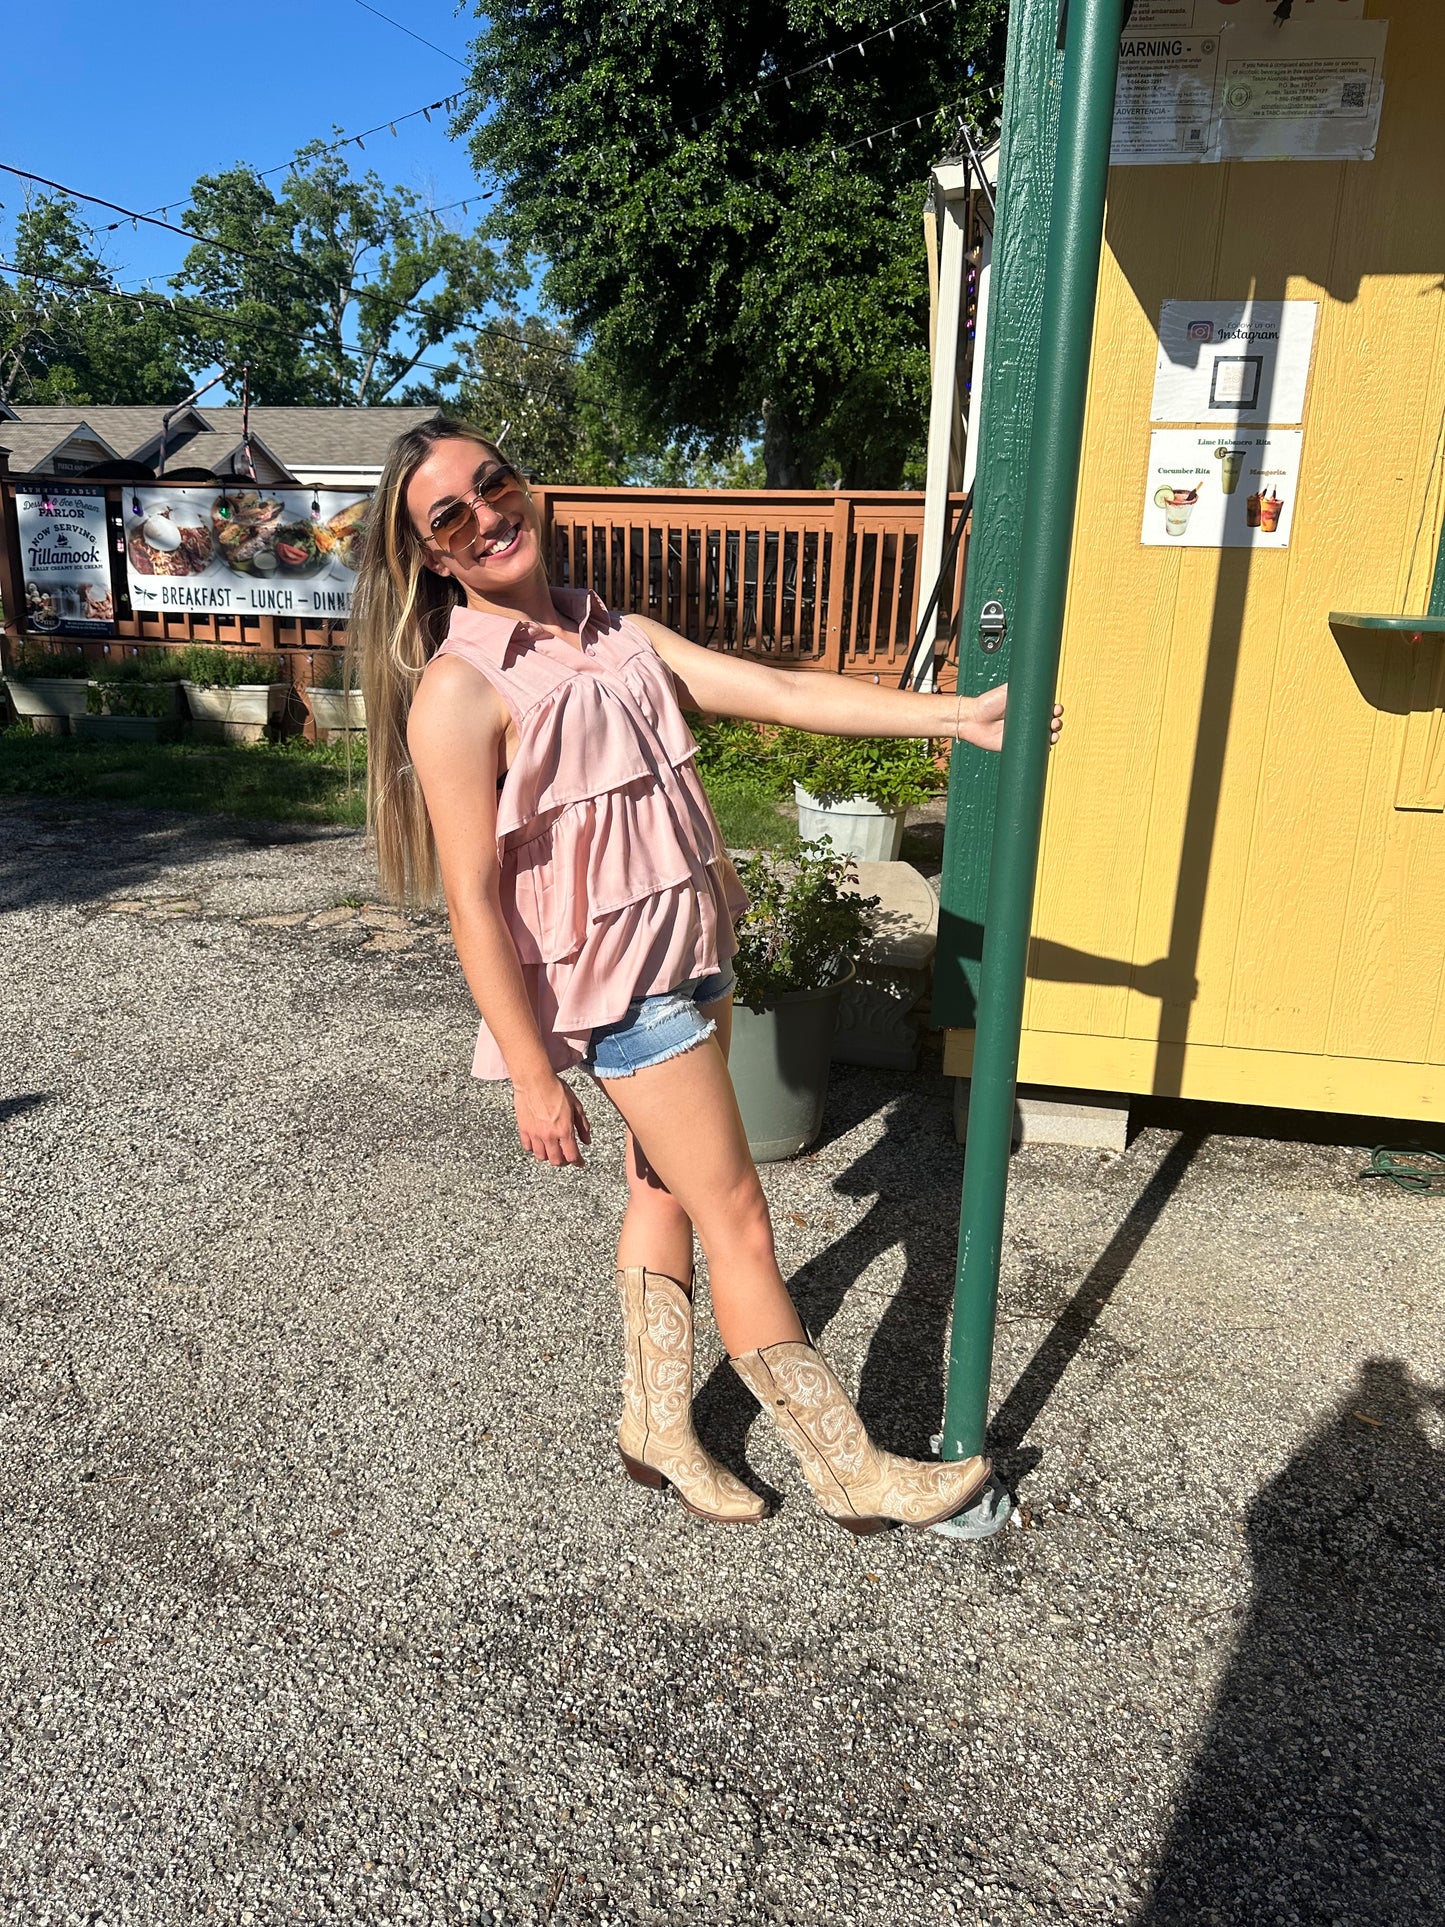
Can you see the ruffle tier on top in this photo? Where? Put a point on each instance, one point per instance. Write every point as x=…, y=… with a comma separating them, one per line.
x=614, y=883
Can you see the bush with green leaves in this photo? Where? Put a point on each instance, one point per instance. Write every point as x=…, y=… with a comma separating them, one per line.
x=737, y=753
x=802, y=929
x=34, y=661
x=228, y=668
x=892, y=772
x=138, y=685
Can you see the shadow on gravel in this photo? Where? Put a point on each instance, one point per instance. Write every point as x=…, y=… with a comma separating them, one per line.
x=1315, y=1795
x=22, y=1102
x=54, y=854
x=901, y=1387
x=1040, y=1378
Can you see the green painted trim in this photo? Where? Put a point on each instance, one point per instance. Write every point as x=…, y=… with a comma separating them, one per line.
x=1431, y=625
x=1004, y=422
x=1437, y=587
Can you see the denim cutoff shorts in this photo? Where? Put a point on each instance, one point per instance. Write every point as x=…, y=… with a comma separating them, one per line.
x=656, y=1028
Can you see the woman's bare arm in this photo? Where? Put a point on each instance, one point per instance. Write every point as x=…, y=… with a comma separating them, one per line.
x=726, y=685
x=454, y=732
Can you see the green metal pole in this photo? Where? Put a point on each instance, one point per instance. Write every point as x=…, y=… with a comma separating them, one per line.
x=1071, y=276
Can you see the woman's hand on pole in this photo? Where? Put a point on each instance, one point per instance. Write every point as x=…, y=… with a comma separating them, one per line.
x=980, y=719
x=551, y=1121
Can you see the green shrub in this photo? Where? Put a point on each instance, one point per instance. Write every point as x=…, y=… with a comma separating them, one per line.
x=36, y=660
x=802, y=929
x=735, y=753
x=893, y=772
x=228, y=668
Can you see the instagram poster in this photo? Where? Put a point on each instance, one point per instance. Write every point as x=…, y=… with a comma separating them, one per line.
x=1214, y=488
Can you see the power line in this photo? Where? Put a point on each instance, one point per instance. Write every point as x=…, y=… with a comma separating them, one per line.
x=197, y=240
x=131, y=214
x=182, y=304
x=363, y=4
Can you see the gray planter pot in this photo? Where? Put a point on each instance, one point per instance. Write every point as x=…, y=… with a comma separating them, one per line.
x=779, y=1059
x=857, y=827
x=48, y=703
x=337, y=708
x=236, y=713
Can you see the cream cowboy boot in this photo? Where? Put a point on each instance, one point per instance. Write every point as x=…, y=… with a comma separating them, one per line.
x=655, y=1436
x=863, y=1489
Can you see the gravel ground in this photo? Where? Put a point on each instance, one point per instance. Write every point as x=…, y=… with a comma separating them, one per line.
x=325, y=1599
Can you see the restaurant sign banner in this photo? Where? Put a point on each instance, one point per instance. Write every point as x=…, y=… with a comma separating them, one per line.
x=206, y=550
x=67, y=568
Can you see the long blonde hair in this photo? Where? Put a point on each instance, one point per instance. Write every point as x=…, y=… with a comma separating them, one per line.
x=399, y=618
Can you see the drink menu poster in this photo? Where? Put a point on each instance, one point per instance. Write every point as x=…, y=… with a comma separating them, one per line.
x=1209, y=488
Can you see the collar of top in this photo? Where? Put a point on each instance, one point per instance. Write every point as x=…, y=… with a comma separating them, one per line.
x=494, y=635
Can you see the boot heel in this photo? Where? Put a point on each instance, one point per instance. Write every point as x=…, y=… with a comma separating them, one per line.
x=644, y=1474
x=862, y=1528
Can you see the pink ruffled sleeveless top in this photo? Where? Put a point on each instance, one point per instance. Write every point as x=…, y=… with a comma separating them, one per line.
x=615, y=883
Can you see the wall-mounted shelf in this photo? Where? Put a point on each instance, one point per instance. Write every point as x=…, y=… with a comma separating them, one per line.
x=1408, y=682
x=1388, y=625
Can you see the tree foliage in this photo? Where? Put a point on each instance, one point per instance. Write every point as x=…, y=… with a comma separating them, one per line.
x=64, y=340
x=732, y=274
x=338, y=286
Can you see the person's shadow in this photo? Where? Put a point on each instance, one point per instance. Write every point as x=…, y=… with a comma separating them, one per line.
x=1316, y=1795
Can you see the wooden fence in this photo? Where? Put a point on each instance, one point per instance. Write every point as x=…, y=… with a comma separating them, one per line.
x=805, y=579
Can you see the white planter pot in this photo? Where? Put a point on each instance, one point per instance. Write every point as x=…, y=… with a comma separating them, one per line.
x=337, y=708
x=48, y=699
x=857, y=827
x=246, y=702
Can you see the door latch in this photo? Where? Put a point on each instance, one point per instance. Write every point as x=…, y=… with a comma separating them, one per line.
x=992, y=625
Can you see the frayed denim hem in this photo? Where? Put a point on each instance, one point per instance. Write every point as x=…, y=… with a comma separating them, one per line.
x=709, y=1029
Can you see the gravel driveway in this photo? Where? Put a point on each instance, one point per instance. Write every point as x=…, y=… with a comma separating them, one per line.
x=324, y=1598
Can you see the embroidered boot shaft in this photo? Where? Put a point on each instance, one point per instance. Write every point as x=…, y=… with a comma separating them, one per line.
x=655, y=1436
x=862, y=1488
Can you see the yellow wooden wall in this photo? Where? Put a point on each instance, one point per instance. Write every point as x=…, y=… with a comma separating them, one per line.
x=1230, y=904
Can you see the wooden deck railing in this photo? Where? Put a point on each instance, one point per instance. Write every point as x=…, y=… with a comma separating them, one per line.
x=807, y=579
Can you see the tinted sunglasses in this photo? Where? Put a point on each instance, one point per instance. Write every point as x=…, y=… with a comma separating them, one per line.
x=454, y=528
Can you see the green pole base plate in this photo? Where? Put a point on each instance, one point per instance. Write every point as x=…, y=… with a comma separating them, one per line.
x=988, y=1514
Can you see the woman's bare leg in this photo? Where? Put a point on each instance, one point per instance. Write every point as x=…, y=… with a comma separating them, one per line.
x=656, y=1231
x=683, y=1112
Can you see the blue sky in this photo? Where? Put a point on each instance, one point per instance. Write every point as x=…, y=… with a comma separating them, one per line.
x=135, y=112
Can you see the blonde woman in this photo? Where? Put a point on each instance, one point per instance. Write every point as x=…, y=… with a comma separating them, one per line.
x=528, y=753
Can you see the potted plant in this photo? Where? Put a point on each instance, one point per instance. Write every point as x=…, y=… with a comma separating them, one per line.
x=133, y=698
x=229, y=693
x=858, y=789
x=798, y=944
x=335, y=702
x=47, y=686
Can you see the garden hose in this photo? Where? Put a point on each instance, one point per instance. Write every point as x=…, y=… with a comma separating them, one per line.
x=1410, y=1167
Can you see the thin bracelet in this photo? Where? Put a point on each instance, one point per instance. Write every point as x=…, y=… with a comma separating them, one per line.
x=958, y=718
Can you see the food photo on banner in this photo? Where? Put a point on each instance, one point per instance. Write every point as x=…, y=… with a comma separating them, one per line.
x=66, y=562
x=244, y=550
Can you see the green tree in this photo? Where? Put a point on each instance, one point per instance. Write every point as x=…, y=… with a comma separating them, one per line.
x=335, y=288
x=64, y=337
x=733, y=275
x=527, y=382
